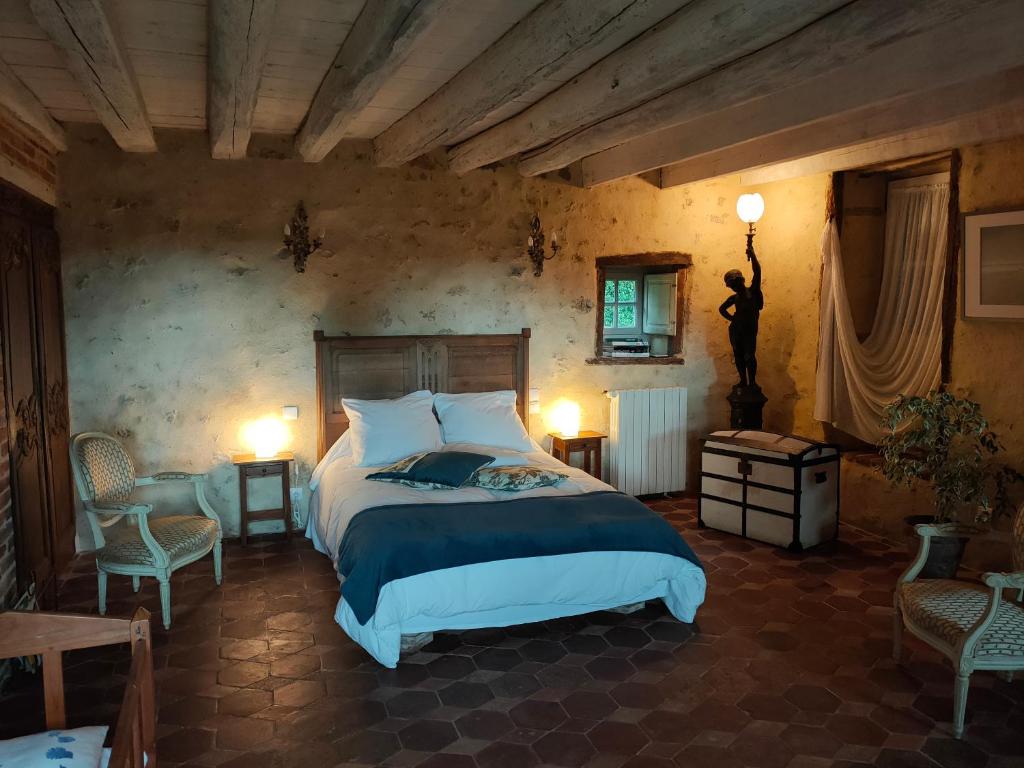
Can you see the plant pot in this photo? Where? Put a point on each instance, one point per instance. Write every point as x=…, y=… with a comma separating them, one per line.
x=944, y=554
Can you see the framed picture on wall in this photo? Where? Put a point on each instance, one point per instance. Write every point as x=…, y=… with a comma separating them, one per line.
x=994, y=265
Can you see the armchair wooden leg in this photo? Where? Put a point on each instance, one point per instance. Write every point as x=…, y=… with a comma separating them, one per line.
x=963, y=681
x=136, y=583
x=101, y=580
x=218, y=563
x=165, y=601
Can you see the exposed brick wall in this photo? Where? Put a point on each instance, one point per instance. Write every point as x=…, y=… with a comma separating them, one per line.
x=26, y=159
x=7, y=566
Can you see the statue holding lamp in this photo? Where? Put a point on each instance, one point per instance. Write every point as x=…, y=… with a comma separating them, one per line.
x=743, y=309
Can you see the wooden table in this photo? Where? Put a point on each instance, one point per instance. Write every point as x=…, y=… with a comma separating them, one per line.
x=587, y=442
x=249, y=466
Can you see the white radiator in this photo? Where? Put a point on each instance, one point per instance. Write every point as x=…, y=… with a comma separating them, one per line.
x=647, y=440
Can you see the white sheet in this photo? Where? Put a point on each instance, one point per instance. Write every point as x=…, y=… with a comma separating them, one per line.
x=492, y=594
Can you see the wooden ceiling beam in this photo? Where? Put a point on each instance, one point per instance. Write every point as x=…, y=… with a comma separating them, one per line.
x=956, y=104
x=81, y=29
x=982, y=45
x=239, y=36
x=837, y=40
x=558, y=40
x=378, y=43
x=1004, y=122
x=23, y=104
x=693, y=42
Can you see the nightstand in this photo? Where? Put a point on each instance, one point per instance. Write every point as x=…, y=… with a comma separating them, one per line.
x=589, y=443
x=249, y=467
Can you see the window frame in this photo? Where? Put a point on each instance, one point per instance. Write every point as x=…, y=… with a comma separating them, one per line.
x=641, y=264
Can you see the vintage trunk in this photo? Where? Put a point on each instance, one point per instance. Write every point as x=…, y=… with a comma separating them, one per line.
x=778, y=489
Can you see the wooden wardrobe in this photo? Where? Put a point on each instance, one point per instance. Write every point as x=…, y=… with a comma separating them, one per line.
x=35, y=390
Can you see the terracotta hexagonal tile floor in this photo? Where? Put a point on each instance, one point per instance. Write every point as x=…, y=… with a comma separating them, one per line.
x=788, y=665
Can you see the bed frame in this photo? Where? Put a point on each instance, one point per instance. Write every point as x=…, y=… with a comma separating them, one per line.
x=50, y=634
x=384, y=367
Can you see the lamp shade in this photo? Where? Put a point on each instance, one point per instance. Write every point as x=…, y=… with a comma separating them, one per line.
x=266, y=436
x=750, y=208
x=565, y=417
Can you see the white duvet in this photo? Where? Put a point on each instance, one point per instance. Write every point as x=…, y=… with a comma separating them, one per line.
x=492, y=594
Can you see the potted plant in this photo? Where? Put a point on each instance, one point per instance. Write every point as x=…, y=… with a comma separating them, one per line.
x=946, y=442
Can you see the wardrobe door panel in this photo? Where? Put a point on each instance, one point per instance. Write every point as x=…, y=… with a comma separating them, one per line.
x=24, y=408
x=53, y=373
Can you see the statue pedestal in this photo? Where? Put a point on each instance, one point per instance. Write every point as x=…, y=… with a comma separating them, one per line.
x=745, y=407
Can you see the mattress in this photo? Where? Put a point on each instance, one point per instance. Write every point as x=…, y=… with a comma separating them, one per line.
x=490, y=594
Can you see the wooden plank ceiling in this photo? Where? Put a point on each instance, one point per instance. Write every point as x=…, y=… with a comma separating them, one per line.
x=604, y=89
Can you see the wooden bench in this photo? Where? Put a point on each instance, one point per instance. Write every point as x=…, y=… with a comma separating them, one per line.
x=25, y=633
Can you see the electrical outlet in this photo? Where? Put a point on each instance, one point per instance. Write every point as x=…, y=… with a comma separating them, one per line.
x=289, y=412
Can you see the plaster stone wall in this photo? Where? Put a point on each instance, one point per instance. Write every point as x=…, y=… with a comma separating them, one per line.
x=185, y=319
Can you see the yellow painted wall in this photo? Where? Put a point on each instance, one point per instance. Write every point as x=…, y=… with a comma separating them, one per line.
x=988, y=355
x=185, y=320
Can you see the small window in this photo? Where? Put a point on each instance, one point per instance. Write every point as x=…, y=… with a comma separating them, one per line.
x=620, y=304
x=639, y=308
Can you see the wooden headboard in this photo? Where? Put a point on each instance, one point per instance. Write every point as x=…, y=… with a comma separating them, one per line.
x=385, y=367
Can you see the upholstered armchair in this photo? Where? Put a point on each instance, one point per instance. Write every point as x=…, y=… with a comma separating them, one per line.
x=129, y=541
x=977, y=626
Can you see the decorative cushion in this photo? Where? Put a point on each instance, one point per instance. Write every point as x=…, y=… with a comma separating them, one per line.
x=503, y=457
x=400, y=467
x=515, y=478
x=76, y=748
x=448, y=470
x=178, y=535
x=107, y=469
x=947, y=609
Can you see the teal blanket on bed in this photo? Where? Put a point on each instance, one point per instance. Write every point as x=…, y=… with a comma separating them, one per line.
x=386, y=543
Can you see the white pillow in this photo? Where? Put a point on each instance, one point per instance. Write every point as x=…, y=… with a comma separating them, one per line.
x=484, y=418
x=384, y=431
x=76, y=748
x=503, y=457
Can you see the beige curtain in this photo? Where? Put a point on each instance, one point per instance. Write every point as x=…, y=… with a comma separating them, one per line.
x=902, y=354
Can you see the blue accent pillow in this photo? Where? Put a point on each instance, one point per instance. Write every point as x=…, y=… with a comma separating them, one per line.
x=448, y=469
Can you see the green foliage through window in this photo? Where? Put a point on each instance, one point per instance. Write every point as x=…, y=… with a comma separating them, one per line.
x=620, y=300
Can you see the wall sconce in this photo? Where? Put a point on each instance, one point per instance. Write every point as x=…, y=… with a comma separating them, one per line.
x=750, y=209
x=296, y=238
x=535, y=246
x=266, y=437
x=565, y=417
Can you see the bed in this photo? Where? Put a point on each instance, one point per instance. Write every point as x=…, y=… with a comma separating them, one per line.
x=531, y=586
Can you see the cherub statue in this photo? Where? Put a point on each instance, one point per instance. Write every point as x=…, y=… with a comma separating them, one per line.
x=746, y=304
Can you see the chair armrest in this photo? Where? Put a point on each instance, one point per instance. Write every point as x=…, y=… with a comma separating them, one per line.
x=121, y=508
x=927, y=532
x=169, y=477
x=1004, y=580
